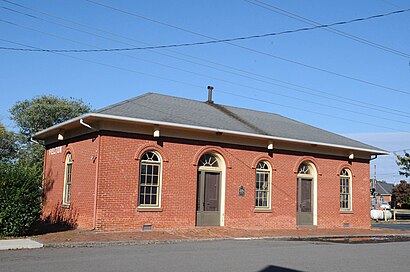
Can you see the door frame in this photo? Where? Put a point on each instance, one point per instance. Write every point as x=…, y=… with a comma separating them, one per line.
x=313, y=177
x=201, y=182
x=299, y=196
x=222, y=183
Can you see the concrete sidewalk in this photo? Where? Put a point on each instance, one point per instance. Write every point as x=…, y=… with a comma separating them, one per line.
x=88, y=238
x=85, y=238
x=19, y=244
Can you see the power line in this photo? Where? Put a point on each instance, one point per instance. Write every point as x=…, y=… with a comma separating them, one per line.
x=215, y=78
x=289, y=14
x=112, y=66
x=251, y=98
x=306, y=110
x=347, y=100
x=193, y=73
x=229, y=93
x=255, y=51
x=400, y=150
x=214, y=41
x=225, y=41
x=388, y=2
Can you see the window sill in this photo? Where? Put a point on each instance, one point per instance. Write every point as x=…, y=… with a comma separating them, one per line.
x=149, y=209
x=261, y=210
x=346, y=212
x=65, y=206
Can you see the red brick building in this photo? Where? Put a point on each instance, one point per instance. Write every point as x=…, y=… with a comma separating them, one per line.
x=162, y=162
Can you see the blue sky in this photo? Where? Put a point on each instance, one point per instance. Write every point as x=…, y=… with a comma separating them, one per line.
x=256, y=73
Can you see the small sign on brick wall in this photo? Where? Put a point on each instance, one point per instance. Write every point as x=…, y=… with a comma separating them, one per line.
x=241, y=191
x=55, y=150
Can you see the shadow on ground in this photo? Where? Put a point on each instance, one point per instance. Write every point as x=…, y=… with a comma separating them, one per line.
x=358, y=240
x=44, y=227
x=274, y=268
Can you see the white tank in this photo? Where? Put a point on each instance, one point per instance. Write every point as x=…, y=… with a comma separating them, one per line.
x=388, y=214
x=376, y=214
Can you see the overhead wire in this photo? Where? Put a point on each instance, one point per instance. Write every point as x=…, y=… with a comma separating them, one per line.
x=202, y=42
x=255, y=50
x=189, y=71
x=221, y=91
x=347, y=100
x=306, y=110
x=167, y=78
x=289, y=14
x=400, y=150
x=215, y=78
x=111, y=66
x=315, y=26
x=229, y=41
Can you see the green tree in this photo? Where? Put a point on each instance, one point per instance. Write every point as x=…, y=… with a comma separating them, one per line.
x=20, y=194
x=404, y=163
x=401, y=192
x=21, y=173
x=42, y=112
x=8, y=146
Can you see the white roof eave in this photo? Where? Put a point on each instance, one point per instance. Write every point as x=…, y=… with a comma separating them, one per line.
x=200, y=128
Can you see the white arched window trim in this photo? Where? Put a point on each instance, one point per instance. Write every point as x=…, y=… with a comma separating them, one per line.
x=68, y=170
x=150, y=180
x=263, y=186
x=345, y=190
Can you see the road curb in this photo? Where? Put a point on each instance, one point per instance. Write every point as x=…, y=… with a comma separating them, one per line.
x=174, y=241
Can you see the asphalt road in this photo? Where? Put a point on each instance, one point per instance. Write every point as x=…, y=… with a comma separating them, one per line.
x=400, y=226
x=228, y=255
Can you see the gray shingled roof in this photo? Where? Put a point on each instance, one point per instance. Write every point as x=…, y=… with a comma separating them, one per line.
x=384, y=188
x=164, y=108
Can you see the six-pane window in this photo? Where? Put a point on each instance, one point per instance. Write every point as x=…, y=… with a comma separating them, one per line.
x=67, y=179
x=149, y=183
x=345, y=190
x=262, y=193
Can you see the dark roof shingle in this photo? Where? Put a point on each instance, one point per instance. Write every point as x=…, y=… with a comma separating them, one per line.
x=164, y=108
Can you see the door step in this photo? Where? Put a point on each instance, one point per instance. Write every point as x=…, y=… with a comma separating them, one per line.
x=307, y=227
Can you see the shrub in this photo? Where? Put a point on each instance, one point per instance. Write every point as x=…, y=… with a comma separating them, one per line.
x=405, y=206
x=20, y=198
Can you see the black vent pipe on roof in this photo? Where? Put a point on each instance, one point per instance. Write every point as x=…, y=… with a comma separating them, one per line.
x=210, y=88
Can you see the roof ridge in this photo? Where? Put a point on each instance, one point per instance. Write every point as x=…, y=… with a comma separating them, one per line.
x=223, y=109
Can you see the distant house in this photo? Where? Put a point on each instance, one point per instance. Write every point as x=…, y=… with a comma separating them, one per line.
x=163, y=162
x=383, y=190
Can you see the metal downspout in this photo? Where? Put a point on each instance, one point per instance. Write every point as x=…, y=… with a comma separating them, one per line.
x=97, y=169
x=96, y=172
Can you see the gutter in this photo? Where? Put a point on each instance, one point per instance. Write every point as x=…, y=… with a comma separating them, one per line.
x=216, y=130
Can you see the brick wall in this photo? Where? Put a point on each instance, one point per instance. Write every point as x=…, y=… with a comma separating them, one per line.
x=80, y=212
x=118, y=188
x=117, y=197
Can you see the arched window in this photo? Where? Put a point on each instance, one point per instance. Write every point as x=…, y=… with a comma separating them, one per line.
x=208, y=160
x=263, y=187
x=67, y=179
x=304, y=169
x=150, y=179
x=345, y=190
